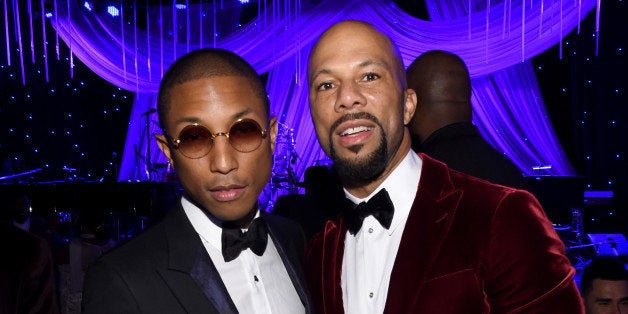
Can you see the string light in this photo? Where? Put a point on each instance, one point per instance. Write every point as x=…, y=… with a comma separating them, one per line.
x=73, y=121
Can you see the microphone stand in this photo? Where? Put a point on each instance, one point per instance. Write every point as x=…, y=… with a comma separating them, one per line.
x=148, y=161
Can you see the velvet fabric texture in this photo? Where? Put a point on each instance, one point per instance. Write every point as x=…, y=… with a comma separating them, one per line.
x=468, y=246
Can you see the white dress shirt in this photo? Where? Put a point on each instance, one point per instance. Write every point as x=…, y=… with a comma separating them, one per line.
x=256, y=284
x=370, y=254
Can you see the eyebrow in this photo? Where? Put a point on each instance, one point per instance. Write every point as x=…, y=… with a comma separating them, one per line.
x=319, y=72
x=368, y=62
x=362, y=64
x=187, y=119
x=197, y=120
x=605, y=300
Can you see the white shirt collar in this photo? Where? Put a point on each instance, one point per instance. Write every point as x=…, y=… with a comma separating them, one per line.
x=205, y=227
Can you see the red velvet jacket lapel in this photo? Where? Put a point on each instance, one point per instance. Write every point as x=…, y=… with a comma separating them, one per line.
x=425, y=230
x=323, y=265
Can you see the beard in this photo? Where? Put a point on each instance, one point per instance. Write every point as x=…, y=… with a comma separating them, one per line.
x=364, y=169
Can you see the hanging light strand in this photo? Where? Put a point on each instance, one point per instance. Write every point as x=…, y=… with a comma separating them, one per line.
x=44, y=40
x=6, y=32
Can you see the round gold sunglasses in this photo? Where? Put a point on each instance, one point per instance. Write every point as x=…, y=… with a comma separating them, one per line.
x=196, y=141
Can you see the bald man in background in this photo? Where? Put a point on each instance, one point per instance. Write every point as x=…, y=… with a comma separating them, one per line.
x=442, y=127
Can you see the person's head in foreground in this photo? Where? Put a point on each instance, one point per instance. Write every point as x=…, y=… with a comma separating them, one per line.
x=217, y=133
x=360, y=103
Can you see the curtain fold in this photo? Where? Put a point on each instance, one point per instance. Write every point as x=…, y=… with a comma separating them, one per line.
x=495, y=42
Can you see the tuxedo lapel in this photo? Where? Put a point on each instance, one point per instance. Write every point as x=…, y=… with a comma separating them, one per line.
x=333, y=247
x=207, y=277
x=189, y=267
x=288, y=253
x=428, y=223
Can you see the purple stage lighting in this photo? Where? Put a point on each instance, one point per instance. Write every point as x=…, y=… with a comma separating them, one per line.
x=496, y=42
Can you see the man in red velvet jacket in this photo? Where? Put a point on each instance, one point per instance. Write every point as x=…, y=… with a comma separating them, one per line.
x=423, y=238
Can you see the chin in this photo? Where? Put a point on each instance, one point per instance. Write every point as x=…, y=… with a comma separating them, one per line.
x=233, y=212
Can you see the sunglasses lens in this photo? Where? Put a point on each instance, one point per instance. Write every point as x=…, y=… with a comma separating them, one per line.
x=245, y=136
x=195, y=141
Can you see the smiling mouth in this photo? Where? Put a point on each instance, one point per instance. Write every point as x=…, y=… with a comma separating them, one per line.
x=355, y=130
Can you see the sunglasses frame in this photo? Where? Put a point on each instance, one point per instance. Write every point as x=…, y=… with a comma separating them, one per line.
x=175, y=143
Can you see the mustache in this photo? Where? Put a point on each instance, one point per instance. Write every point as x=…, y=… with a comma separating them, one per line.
x=352, y=116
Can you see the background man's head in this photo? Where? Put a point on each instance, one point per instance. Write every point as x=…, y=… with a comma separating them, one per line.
x=17, y=209
x=443, y=86
x=359, y=102
x=213, y=91
x=604, y=286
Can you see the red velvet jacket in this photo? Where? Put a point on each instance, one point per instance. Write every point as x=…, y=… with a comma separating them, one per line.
x=468, y=247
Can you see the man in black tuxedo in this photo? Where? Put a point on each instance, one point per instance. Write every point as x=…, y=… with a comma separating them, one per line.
x=215, y=251
x=442, y=127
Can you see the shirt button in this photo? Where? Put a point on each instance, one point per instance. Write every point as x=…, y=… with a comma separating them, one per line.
x=370, y=294
x=370, y=230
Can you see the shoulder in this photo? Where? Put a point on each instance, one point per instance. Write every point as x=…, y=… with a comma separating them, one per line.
x=499, y=209
x=438, y=179
x=147, y=248
x=487, y=194
x=475, y=198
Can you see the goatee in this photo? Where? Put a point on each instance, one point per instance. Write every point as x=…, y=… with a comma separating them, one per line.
x=364, y=169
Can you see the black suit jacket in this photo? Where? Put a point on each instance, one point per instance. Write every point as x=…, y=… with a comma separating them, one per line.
x=309, y=211
x=462, y=148
x=167, y=270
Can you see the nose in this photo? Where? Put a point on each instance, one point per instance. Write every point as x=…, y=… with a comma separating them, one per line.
x=349, y=95
x=222, y=156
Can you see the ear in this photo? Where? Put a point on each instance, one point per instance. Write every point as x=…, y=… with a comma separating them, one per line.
x=273, y=133
x=163, y=145
x=409, y=106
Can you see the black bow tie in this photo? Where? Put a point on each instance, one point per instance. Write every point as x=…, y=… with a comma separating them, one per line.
x=379, y=206
x=234, y=241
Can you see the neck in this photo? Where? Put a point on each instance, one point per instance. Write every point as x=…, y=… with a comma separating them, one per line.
x=245, y=222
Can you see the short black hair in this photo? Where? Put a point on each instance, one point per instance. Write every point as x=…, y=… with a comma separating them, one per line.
x=206, y=63
x=605, y=267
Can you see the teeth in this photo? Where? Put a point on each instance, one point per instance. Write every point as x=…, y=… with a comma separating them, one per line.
x=351, y=131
